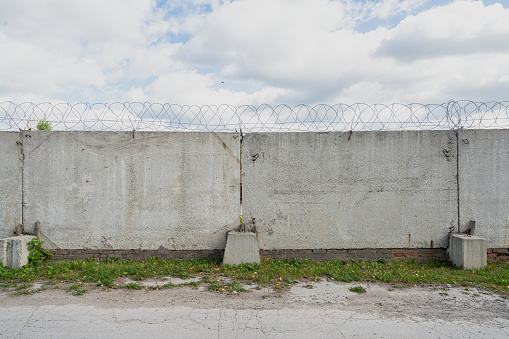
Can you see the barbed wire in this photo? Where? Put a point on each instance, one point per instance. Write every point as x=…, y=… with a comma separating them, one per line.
x=128, y=116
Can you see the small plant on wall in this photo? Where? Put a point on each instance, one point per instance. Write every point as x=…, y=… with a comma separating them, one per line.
x=44, y=125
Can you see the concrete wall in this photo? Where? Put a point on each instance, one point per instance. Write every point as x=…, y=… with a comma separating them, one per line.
x=342, y=190
x=180, y=190
x=11, y=161
x=119, y=190
x=484, y=184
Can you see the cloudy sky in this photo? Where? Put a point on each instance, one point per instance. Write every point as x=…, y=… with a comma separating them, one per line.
x=254, y=51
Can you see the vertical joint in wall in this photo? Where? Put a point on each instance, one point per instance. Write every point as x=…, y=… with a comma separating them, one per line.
x=22, y=151
x=458, y=176
x=241, y=220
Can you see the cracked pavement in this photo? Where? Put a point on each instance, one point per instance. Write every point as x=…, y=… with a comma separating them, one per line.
x=328, y=309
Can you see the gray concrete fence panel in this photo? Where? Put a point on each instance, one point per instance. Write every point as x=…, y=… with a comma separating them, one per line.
x=350, y=190
x=132, y=190
x=181, y=190
x=11, y=161
x=484, y=184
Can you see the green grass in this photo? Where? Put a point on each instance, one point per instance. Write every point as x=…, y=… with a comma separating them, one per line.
x=4, y=287
x=133, y=286
x=26, y=292
x=77, y=289
x=279, y=274
x=357, y=289
x=227, y=287
x=23, y=286
x=26, y=289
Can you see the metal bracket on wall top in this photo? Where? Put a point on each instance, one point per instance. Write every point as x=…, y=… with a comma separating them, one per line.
x=471, y=228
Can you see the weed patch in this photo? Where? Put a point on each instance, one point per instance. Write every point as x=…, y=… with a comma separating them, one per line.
x=278, y=274
x=37, y=254
x=77, y=289
x=132, y=286
x=5, y=287
x=357, y=289
x=193, y=284
x=26, y=292
x=23, y=286
x=227, y=287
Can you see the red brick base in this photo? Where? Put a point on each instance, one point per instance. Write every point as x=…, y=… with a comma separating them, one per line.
x=135, y=254
x=501, y=254
x=419, y=254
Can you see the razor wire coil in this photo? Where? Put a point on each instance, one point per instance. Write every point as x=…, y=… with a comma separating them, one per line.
x=144, y=116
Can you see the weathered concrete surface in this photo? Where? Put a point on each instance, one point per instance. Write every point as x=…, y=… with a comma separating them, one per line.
x=241, y=247
x=484, y=184
x=469, y=252
x=75, y=321
x=125, y=190
x=11, y=160
x=342, y=190
x=327, y=310
x=14, y=251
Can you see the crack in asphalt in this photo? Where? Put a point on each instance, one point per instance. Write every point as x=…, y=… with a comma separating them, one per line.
x=328, y=310
x=26, y=322
x=233, y=323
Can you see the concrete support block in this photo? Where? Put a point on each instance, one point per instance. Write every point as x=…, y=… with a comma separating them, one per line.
x=241, y=247
x=468, y=251
x=14, y=251
x=3, y=251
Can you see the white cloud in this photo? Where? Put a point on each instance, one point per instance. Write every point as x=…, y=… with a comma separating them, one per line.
x=189, y=87
x=461, y=28
x=253, y=51
x=386, y=8
x=88, y=21
x=305, y=47
x=320, y=58
x=32, y=68
x=62, y=47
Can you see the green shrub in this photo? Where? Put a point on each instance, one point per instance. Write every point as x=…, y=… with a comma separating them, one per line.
x=37, y=254
x=44, y=125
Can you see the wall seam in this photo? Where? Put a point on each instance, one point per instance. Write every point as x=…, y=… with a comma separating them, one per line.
x=241, y=219
x=22, y=179
x=458, y=177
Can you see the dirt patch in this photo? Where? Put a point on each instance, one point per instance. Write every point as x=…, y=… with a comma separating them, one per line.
x=433, y=303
